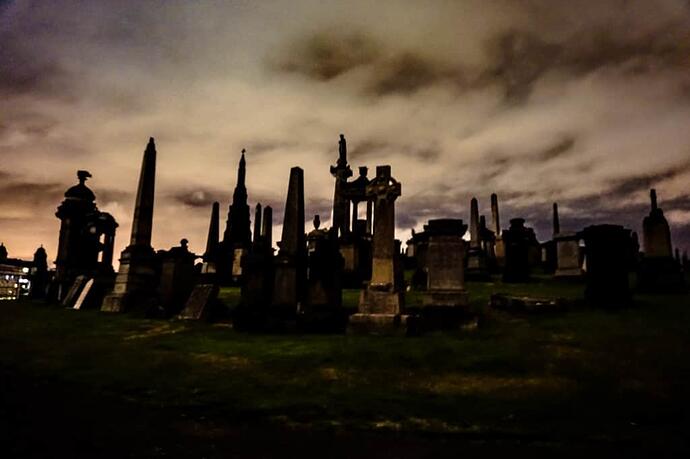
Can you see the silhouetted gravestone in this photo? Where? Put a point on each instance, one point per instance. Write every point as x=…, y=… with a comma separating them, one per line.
x=477, y=262
x=290, y=263
x=39, y=274
x=516, y=240
x=177, y=278
x=322, y=308
x=658, y=271
x=566, y=248
x=237, y=236
x=136, y=279
x=257, y=285
x=381, y=302
x=203, y=297
x=606, y=250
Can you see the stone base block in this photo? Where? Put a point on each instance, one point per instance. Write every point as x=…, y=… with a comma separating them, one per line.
x=445, y=298
x=382, y=324
x=568, y=272
x=373, y=301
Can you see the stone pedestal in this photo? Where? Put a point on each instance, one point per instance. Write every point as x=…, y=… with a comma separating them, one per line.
x=135, y=283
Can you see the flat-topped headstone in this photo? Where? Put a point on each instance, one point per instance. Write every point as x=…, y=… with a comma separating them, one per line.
x=606, y=252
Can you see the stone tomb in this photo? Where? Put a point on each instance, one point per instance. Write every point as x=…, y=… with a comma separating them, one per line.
x=516, y=240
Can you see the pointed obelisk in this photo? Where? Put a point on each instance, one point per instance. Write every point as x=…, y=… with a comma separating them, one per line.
x=211, y=253
x=267, y=227
x=237, y=237
x=136, y=278
x=290, y=264
x=257, y=224
x=556, y=220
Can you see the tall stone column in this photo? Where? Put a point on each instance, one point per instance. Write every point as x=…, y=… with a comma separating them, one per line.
x=381, y=302
x=477, y=265
x=136, y=279
x=556, y=220
x=267, y=227
x=290, y=264
x=257, y=223
x=341, y=171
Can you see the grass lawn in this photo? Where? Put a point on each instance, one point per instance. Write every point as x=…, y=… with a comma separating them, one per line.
x=584, y=379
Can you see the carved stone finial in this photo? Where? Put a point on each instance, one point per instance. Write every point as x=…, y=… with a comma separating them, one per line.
x=317, y=221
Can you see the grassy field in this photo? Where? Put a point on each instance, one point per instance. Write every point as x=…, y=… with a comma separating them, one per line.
x=576, y=381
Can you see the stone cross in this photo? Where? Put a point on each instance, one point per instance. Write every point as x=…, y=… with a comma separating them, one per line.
x=383, y=190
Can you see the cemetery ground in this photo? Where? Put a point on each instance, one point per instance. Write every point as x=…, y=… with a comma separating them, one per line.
x=87, y=384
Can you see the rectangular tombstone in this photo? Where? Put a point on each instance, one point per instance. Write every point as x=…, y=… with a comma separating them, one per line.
x=200, y=303
x=567, y=256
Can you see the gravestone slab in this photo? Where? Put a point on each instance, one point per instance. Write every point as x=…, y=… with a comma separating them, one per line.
x=200, y=303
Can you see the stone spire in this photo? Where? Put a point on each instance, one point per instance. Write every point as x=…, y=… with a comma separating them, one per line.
x=143, y=208
x=556, y=220
x=292, y=239
x=474, y=223
x=237, y=231
x=213, y=233
x=652, y=196
x=495, y=223
x=257, y=223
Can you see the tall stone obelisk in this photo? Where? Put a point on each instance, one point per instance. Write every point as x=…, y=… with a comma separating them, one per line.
x=290, y=264
x=136, y=279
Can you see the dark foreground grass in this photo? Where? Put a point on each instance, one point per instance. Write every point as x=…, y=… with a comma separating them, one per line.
x=585, y=377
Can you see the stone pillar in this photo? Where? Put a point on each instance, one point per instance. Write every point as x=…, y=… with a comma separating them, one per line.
x=290, y=264
x=341, y=171
x=136, y=279
x=257, y=223
x=370, y=210
x=495, y=223
x=556, y=220
x=381, y=302
x=477, y=266
x=212, y=241
x=267, y=227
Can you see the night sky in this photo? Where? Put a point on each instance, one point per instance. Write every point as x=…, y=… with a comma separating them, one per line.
x=584, y=102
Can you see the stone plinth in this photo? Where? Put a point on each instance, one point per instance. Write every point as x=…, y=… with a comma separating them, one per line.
x=135, y=282
x=445, y=260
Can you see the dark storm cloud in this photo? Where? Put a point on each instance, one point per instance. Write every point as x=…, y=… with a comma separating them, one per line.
x=24, y=71
x=408, y=72
x=325, y=55
x=628, y=185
